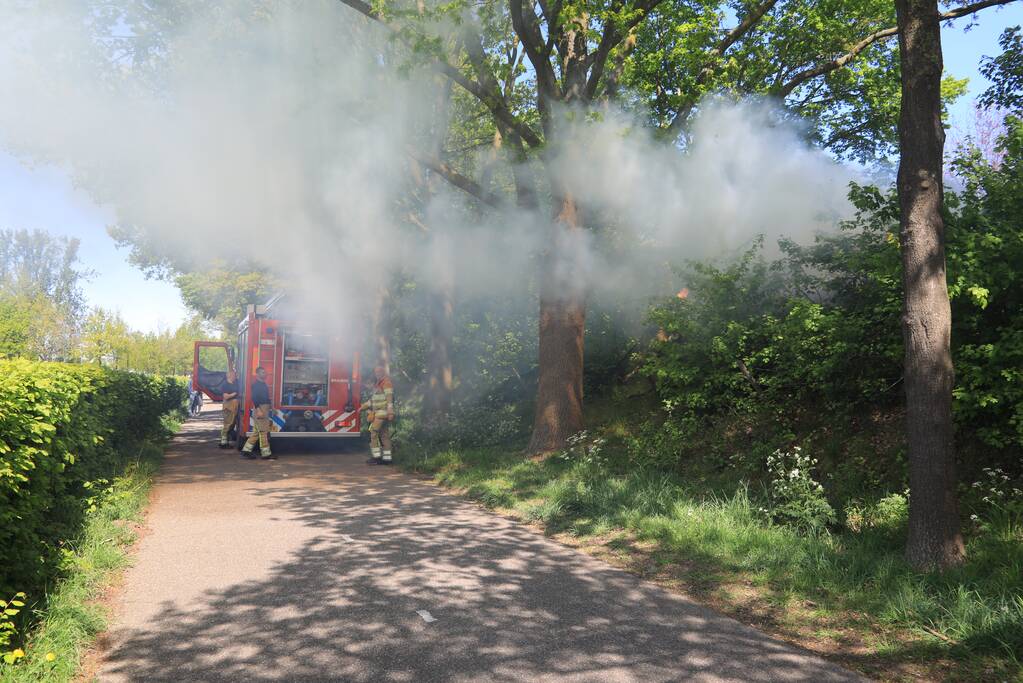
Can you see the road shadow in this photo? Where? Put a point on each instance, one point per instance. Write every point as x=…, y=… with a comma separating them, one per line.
x=506, y=603
x=194, y=457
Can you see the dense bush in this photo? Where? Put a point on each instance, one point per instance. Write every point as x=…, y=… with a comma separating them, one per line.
x=807, y=349
x=62, y=429
x=483, y=423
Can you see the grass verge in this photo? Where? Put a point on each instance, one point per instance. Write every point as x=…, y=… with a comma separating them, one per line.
x=848, y=596
x=73, y=613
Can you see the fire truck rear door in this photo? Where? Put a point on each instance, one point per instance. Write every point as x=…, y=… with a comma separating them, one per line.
x=209, y=370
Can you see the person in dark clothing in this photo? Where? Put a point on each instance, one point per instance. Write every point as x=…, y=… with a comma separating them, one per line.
x=261, y=433
x=229, y=405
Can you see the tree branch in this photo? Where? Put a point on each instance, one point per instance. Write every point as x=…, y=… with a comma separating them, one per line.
x=533, y=43
x=711, y=65
x=491, y=101
x=511, y=60
x=553, y=34
x=847, y=134
x=827, y=67
x=417, y=221
x=741, y=29
x=971, y=9
x=612, y=37
x=882, y=34
x=837, y=63
x=596, y=60
x=464, y=183
x=610, y=93
x=478, y=60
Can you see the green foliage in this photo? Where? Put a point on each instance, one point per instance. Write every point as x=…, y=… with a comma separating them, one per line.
x=1005, y=72
x=65, y=429
x=995, y=498
x=889, y=514
x=220, y=292
x=985, y=246
x=15, y=328
x=106, y=339
x=796, y=498
x=71, y=615
x=853, y=110
x=8, y=610
x=492, y=352
x=41, y=300
x=809, y=346
x=467, y=426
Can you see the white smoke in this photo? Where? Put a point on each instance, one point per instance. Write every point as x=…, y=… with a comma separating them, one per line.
x=279, y=133
x=743, y=174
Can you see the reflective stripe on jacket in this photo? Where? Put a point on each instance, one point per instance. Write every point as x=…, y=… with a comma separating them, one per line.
x=382, y=399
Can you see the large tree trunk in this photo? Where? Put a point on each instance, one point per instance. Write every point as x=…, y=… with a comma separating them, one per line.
x=381, y=330
x=439, y=373
x=934, y=539
x=559, y=395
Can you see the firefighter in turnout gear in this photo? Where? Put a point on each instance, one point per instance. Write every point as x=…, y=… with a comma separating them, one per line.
x=261, y=433
x=381, y=413
x=229, y=406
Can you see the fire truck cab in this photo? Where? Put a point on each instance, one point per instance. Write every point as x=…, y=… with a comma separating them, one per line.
x=313, y=376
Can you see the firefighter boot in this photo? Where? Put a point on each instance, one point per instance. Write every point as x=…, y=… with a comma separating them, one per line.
x=265, y=454
x=247, y=452
x=386, y=460
x=376, y=457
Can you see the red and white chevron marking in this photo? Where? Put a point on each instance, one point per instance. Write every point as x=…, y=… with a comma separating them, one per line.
x=339, y=421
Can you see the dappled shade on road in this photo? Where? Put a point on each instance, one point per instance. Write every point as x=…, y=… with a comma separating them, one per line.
x=314, y=568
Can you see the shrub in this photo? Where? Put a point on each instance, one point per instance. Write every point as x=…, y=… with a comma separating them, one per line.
x=8, y=610
x=581, y=447
x=468, y=425
x=796, y=497
x=63, y=429
x=995, y=499
x=755, y=354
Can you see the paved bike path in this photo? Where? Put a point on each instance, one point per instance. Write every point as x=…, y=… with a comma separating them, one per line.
x=320, y=568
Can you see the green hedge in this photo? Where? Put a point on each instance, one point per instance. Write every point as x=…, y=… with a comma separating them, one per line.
x=64, y=430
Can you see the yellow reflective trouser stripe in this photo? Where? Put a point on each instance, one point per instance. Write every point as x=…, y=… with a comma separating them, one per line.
x=230, y=412
x=262, y=430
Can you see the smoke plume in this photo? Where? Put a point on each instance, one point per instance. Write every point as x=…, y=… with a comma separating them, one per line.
x=279, y=133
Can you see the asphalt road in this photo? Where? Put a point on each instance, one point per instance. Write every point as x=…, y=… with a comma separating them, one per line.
x=317, y=567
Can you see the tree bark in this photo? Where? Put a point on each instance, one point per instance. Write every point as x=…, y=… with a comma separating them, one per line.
x=934, y=539
x=439, y=372
x=381, y=330
x=559, y=395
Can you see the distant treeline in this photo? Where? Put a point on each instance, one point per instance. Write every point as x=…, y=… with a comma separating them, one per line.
x=44, y=316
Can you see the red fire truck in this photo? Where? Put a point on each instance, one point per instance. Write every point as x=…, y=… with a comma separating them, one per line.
x=312, y=374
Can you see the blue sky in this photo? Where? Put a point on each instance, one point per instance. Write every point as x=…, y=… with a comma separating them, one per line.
x=44, y=198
